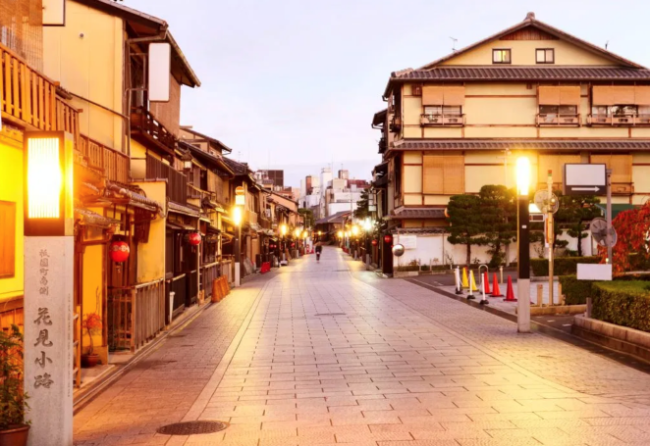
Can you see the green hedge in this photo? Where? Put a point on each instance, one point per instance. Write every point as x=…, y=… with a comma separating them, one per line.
x=576, y=291
x=625, y=303
x=562, y=266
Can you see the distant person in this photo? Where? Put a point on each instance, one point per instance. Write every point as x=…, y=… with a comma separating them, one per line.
x=319, y=249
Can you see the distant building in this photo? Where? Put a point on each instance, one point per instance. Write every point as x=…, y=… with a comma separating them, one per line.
x=274, y=177
x=327, y=196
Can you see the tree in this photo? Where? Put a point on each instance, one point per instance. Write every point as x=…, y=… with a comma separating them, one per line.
x=361, y=212
x=498, y=219
x=465, y=222
x=574, y=212
x=308, y=216
x=633, y=231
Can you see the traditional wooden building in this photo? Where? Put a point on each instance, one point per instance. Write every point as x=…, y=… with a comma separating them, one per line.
x=460, y=122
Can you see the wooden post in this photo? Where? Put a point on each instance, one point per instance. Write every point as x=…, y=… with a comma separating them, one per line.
x=540, y=295
x=551, y=237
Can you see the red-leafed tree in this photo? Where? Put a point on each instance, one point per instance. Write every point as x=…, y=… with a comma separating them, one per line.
x=632, y=231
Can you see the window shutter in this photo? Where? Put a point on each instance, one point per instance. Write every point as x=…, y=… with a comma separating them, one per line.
x=623, y=95
x=433, y=174
x=454, y=178
x=569, y=95
x=642, y=95
x=602, y=96
x=432, y=95
x=548, y=95
x=7, y=239
x=454, y=96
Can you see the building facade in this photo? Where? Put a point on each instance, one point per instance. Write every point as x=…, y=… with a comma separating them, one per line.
x=461, y=122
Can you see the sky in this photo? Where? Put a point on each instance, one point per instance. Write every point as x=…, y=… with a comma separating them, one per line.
x=293, y=84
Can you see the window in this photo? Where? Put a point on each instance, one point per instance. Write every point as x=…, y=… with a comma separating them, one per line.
x=500, y=56
x=617, y=110
x=7, y=239
x=443, y=174
x=443, y=110
x=563, y=110
x=545, y=55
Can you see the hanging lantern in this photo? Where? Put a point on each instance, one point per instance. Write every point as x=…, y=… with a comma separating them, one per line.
x=388, y=239
x=194, y=238
x=374, y=243
x=293, y=245
x=119, y=251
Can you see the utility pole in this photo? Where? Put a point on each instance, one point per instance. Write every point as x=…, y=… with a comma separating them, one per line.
x=550, y=237
x=609, y=216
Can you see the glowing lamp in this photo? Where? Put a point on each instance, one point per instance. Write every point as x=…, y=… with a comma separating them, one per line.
x=237, y=215
x=194, y=238
x=523, y=176
x=374, y=243
x=283, y=230
x=49, y=204
x=119, y=251
x=388, y=239
x=355, y=230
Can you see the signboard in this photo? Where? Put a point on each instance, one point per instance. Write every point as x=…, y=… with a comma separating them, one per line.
x=594, y=271
x=159, y=72
x=585, y=179
x=409, y=241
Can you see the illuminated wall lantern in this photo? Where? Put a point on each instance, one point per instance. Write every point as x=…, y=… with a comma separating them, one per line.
x=48, y=285
x=194, y=238
x=374, y=243
x=119, y=251
x=240, y=196
x=49, y=204
x=388, y=239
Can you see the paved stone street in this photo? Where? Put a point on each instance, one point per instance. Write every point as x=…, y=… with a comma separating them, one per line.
x=325, y=354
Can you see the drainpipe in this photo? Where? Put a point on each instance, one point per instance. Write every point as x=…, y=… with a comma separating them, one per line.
x=129, y=90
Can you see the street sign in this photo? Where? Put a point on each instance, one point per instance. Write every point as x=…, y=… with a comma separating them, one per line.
x=585, y=179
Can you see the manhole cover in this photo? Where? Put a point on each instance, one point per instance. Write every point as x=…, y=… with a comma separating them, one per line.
x=330, y=314
x=192, y=428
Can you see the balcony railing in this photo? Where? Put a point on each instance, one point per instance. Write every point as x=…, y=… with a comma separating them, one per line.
x=135, y=314
x=113, y=164
x=427, y=120
x=145, y=126
x=556, y=120
x=625, y=120
x=29, y=99
x=176, y=181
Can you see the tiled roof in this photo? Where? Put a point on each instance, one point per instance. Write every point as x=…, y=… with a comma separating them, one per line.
x=565, y=74
x=237, y=167
x=418, y=214
x=434, y=230
x=590, y=145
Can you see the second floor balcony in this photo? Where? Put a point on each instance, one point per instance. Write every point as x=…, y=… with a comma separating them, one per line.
x=29, y=100
x=113, y=165
x=558, y=120
x=147, y=130
x=618, y=120
x=176, y=181
x=436, y=120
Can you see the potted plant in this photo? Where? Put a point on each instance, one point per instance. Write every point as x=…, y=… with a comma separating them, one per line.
x=13, y=402
x=93, y=325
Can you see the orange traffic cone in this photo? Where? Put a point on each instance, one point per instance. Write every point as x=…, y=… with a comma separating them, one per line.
x=486, y=281
x=510, y=294
x=496, y=292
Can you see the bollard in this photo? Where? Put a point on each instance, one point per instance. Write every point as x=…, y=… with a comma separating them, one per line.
x=172, y=294
x=459, y=285
x=472, y=285
x=501, y=272
x=540, y=295
x=484, y=300
x=561, y=297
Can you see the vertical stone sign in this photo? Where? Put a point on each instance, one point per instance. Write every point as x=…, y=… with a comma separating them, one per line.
x=48, y=323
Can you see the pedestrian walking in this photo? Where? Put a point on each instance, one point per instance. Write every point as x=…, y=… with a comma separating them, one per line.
x=319, y=250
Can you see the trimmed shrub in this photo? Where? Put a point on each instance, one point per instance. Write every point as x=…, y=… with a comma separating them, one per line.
x=576, y=291
x=622, y=302
x=407, y=268
x=425, y=268
x=562, y=266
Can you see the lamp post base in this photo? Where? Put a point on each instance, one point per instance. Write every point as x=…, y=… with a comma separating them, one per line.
x=523, y=305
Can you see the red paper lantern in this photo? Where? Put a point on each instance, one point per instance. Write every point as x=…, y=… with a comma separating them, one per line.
x=293, y=245
x=119, y=251
x=388, y=239
x=194, y=238
x=374, y=243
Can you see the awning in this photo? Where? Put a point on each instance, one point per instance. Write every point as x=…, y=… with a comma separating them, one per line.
x=184, y=210
x=180, y=227
x=86, y=217
x=416, y=214
x=136, y=199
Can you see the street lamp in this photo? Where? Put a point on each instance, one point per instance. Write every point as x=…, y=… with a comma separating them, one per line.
x=237, y=218
x=523, y=231
x=48, y=283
